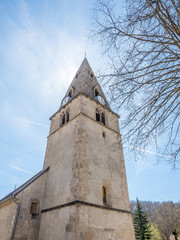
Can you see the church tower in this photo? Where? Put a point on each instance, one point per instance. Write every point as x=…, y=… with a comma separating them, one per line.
x=86, y=195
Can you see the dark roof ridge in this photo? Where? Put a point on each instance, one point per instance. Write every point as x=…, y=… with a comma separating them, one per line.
x=23, y=186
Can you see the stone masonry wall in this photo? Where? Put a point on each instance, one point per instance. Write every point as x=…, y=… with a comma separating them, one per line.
x=84, y=155
x=96, y=224
x=87, y=106
x=7, y=217
x=28, y=225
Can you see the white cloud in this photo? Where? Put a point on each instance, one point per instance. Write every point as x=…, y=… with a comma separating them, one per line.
x=164, y=197
x=147, y=151
x=20, y=169
x=142, y=166
x=37, y=123
x=46, y=62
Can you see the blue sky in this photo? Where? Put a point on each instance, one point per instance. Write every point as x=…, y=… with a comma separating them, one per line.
x=42, y=45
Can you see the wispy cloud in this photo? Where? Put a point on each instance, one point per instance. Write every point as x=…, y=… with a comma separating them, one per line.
x=20, y=169
x=37, y=123
x=164, y=197
x=25, y=123
x=151, y=179
x=147, y=151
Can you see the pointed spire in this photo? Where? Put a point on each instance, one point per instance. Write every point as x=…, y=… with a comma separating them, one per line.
x=85, y=82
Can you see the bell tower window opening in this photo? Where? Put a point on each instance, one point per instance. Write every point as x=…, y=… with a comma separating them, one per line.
x=96, y=93
x=63, y=119
x=67, y=116
x=97, y=115
x=100, y=117
x=70, y=94
x=104, y=194
x=103, y=118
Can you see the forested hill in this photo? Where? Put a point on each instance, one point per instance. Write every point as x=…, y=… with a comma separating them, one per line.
x=164, y=216
x=148, y=206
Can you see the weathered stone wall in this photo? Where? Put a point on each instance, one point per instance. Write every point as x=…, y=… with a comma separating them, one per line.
x=86, y=223
x=28, y=225
x=96, y=224
x=84, y=155
x=88, y=155
x=7, y=217
x=102, y=164
x=61, y=154
x=87, y=106
x=59, y=224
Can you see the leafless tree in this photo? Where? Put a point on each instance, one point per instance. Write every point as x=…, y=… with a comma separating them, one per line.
x=143, y=43
x=167, y=218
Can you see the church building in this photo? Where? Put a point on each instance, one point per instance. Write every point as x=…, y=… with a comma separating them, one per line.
x=81, y=192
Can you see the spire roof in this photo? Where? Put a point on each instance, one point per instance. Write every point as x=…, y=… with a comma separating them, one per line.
x=86, y=82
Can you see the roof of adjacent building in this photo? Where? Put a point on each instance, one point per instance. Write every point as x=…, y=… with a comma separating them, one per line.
x=23, y=186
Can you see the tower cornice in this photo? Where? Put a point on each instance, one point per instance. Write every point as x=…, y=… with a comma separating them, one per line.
x=92, y=99
x=83, y=114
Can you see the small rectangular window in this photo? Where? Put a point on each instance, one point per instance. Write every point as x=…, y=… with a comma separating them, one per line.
x=104, y=195
x=34, y=208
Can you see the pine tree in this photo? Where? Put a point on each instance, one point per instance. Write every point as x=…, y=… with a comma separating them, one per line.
x=141, y=224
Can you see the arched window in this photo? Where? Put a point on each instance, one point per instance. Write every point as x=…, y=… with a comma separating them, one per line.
x=104, y=194
x=96, y=93
x=67, y=116
x=103, y=118
x=63, y=119
x=70, y=94
x=97, y=115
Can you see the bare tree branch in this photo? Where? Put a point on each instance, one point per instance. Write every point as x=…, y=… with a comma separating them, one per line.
x=144, y=76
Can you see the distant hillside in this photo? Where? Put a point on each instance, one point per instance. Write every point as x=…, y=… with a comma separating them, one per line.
x=164, y=216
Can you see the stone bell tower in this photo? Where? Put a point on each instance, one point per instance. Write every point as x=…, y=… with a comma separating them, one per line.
x=86, y=195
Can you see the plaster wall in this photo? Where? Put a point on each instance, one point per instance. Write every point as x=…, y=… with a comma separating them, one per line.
x=59, y=224
x=7, y=217
x=61, y=155
x=96, y=224
x=86, y=223
x=85, y=155
x=28, y=225
x=102, y=164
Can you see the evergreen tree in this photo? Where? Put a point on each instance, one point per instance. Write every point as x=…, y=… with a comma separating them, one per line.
x=141, y=224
